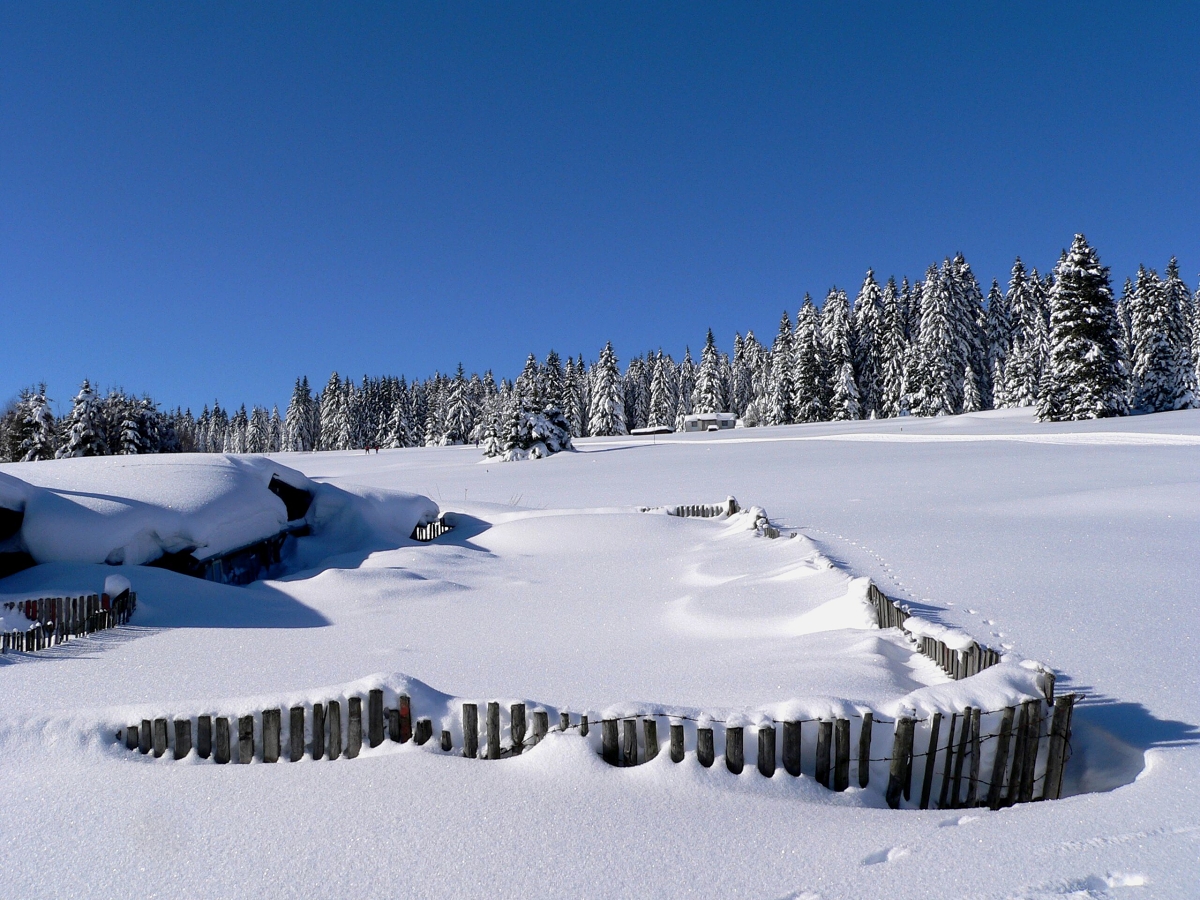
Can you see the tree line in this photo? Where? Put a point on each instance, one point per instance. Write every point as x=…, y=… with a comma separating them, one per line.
x=1062, y=343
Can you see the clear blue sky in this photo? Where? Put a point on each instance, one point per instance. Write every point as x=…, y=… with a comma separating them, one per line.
x=206, y=200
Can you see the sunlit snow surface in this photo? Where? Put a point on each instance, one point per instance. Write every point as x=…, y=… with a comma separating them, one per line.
x=1073, y=545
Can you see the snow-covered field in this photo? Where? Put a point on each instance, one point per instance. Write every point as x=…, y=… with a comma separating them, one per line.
x=1073, y=545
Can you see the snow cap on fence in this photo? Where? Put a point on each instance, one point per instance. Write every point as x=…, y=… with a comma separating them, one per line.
x=953, y=638
x=115, y=585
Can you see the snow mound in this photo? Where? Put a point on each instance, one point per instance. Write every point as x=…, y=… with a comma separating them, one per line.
x=132, y=510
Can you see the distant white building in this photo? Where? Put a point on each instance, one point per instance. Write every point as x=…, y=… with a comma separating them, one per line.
x=709, y=422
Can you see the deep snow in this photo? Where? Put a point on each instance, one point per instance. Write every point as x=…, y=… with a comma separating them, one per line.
x=1070, y=544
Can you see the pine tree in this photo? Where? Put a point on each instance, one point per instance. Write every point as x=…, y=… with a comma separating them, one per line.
x=780, y=409
x=552, y=379
x=258, y=431
x=330, y=403
x=938, y=387
x=844, y=405
x=972, y=402
x=868, y=332
x=708, y=396
x=662, y=393
x=459, y=414
x=275, y=432
x=573, y=408
x=998, y=333
x=37, y=432
x=809, y=366
x=82, y=427
x=607, y=414
x=685, y=384
x=1162, y=376
x=835, y=332
x=1084, y=379
x=1179, y=305
x=894, y=344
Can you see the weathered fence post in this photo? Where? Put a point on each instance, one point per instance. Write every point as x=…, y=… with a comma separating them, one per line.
x=824, y=740
x=404, y=708
x=145, y=737
x=864, y=750
x=160, y=737
x=973, y=784
x=935, y=726
x=901, y=748
x=245, y=739
x=583, y=725
x=735, y=749
x=333, y=713
x=1016, y=773
x=423, y=731
x=791, y=748
x=493, y=730
x=944, y=796
x=221, y=750
x=1000, y=763
x=766, y=750
x=354, y=728
x=629, y=743
x=375, y=717
x=677, y=747
x=470, y=727
x=131, y=737
x=296, y=733
x=516, y=714
x=271, y=726
x=608, y=742
x=650, y=735
x=963, y=739
x=1032, y=739
x=204, y=736
x=564, y=721
x=841, y=755
x=318, y=731
x=705, y=755
x=1060, y=736
x=541, y=724
x=183, y=738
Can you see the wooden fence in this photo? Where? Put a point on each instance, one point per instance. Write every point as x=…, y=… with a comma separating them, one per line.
x=974, y=767
x=58, y=619
x=435, y=529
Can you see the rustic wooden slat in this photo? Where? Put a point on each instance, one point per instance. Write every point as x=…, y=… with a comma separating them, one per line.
x=629, y=743
x=470, y=728
x=650, y=737
x=375, y=717
x=333, y=715
x=791, y=748
x=493, y=730
x=296, y=733
x=973, y=783
x=183, y=738
x=995, y=797
x=1032, y=740
x=447, y=740
x=318, y=731
x=245, y=739
x=160, y=737
x=705, y=754
x=677, y=746
x=824, y=748
x=404, y=707
x=935, y=725
x=354, y=727
x=1060, y=736
x=221, y=747
x=735, y=749
x=423, y=732
x=901, y=748
x=271, y=725
x=541, y=724
x=608, y=742
x=841, y=754
x=1018, y=757
x=516, y=714
x=766, y=750
x=864, y=749
x=963, y=745
x=944, y=796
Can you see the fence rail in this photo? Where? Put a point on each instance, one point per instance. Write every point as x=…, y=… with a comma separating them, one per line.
x=978, y=766
x=58, y=619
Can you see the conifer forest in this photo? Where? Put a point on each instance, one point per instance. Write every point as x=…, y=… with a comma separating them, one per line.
x=1062, y=342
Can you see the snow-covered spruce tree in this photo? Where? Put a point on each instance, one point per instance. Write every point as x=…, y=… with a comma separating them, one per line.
x=685, y=384
x=781, y=390
x=809, y=400
x=82, y=435
x=37, y=436
x=867, y=345
x=1125, y=321
x=1161, y=378
x=607, y=413
x=275, y=432
x=893, y=345
x=663, y=400
x=998, y=333
x=258, y=431
x=635, y=387
x=970, y=322
x=552, y=381
x=1179, y=302
x=937, y=390
x=331, y=413
x=741, y=393
x=1084, y=379
x=297, y=431
x=132, y=442
x=708, y=396
x=573, y=399
x=529, y=383
x=236, y=441
x=972, y=402
x=1029, y=348
x=844, y=405
x=460, y=416
x=835, y=333
x=1196, y=333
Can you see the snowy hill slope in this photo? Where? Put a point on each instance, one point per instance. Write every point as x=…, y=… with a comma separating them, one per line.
x=1074, y=545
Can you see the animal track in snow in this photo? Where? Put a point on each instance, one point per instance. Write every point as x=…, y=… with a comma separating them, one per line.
x=886, y=856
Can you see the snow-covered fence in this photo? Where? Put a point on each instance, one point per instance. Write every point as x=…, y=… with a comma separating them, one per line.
x=435, y=529
x=983, y=761
x=959, y=655
x=705, y=510
x=55, y=620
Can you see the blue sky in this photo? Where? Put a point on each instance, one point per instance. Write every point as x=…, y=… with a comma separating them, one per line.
x=206, y=200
